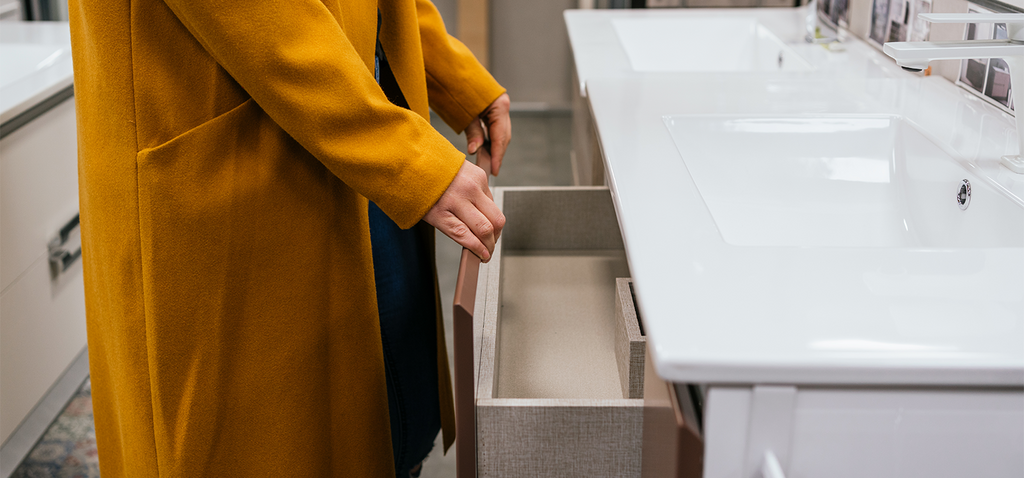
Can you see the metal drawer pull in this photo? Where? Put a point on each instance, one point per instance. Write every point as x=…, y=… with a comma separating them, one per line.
x=465, y=401
x=65, y=248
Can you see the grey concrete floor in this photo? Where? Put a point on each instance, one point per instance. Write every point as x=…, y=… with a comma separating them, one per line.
x=537, y=156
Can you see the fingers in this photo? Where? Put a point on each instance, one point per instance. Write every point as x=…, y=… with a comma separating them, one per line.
x=480, y=227
x=467, y=214
x=459, y=232
x=499, y=130
x=474, y=136
x=491, y=213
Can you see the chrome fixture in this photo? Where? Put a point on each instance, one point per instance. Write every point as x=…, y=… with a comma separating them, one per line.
x=812, y=26
x=914, y=56
x=65, y=248
x=963, y=194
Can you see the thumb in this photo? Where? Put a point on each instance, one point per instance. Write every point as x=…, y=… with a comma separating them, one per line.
x=474, y=136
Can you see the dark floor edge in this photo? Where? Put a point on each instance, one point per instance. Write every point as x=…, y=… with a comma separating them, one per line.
x=31, y=430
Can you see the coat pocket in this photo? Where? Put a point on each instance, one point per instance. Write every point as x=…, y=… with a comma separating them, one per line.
x=235, y=220
x=240, y=230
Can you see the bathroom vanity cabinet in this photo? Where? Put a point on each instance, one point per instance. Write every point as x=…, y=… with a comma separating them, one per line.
x=820, y=352
x=817, y=298
x=42, y=304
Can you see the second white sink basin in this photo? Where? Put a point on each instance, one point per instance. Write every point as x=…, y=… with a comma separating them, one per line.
x=837, y=181
x=704, y=45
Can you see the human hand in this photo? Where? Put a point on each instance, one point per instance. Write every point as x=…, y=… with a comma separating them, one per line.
x=489, y=135
x=466, y=212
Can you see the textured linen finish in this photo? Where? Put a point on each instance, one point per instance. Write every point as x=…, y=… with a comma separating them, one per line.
x=226, y=153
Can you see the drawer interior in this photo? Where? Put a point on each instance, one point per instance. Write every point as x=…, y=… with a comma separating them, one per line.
x=560, y=254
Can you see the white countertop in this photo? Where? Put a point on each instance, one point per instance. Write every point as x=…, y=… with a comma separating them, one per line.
x=36, y=59
x=716, y=312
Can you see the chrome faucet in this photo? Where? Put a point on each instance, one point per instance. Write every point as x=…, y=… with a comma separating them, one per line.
x=812, y=26
x=914, y=56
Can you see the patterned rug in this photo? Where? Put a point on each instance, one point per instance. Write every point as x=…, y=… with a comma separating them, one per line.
x=68, y=448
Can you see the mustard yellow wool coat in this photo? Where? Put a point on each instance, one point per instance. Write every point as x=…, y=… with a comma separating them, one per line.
x=227, y=151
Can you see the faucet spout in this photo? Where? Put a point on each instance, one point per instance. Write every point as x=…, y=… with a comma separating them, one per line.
x=915, y=56
x=814, y=30
x=919, y=53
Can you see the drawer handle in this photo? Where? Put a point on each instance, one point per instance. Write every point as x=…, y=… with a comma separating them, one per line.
x=462, y=325
x=65, y=248
x=465, y=406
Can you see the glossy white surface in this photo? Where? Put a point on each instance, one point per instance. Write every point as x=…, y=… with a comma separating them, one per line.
x=21, y=61
x=600, y=51
x=736, y=44
x=835, y=310
x=836, y=181
x=36, y=59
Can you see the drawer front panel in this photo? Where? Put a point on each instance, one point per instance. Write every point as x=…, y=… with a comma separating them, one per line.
x=38, y=188
x=42, y=330
x=524, y=438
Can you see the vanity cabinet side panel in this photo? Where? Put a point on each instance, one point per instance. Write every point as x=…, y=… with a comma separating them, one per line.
x=42, y=321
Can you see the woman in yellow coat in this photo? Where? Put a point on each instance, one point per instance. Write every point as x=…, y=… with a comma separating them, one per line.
x=227, y=151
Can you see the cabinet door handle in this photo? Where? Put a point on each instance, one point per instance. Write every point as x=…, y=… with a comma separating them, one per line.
x=65, y=248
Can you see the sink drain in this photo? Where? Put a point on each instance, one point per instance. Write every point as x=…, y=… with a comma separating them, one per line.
x=963, y=194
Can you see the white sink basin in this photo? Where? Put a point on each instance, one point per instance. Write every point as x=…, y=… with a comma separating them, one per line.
x=837, y=181
x=22, y=60
x=704, y=45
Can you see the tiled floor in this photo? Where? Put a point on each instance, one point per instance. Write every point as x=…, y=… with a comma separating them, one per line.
x=68, y=448
x=537, y=156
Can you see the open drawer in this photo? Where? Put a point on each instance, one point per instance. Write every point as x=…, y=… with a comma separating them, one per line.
x=547, y=389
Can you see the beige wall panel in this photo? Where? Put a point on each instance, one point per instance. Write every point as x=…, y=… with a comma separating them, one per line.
x=948, y=69
x=860, y=17
x=449, y=10
x=530, y=52
x=474, y=28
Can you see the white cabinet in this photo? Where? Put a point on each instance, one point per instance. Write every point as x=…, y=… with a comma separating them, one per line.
x=856, y=432
x=42, y=320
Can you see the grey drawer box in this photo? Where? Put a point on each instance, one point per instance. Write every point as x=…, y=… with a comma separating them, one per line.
x=630, y=343
x=549, y=397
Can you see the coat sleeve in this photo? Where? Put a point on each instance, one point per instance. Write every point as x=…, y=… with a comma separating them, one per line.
x=299, y=66
x=458, y=87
